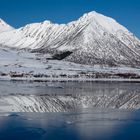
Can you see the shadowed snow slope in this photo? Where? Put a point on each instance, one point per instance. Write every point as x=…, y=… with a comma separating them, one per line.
x=92, y=39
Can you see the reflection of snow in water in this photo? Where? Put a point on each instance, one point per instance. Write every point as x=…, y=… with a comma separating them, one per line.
x=63, y=103
x=84, y=110
x=49, y=97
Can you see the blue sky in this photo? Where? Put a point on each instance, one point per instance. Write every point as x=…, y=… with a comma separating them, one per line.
x=20, y=12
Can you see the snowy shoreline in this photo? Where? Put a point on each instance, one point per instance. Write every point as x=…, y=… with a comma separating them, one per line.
x=33, y=79
x=25, y=66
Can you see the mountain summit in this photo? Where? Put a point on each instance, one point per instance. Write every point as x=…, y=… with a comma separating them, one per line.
x=92, y=39
x=4, y=26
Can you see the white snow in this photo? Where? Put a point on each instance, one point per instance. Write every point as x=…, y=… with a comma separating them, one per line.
x=37, y=34
x=31, y=64
x=4, y=26
x=94, y=39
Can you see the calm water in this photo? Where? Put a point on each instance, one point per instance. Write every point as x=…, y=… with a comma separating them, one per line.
x=97, y=122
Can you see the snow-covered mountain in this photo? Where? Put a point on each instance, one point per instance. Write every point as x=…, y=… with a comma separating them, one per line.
x=92, y=39
x=4, y=26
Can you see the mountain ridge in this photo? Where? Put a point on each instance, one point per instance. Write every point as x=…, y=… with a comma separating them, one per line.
x=92, y=39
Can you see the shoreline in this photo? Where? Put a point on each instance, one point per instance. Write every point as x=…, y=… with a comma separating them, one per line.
x=32, y=79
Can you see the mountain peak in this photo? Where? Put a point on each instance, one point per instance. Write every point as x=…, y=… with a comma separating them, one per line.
x=47, y=22
x=4, y=26
x=92, y=39
x=106, y=22
x=3, y=23
x=92, y=14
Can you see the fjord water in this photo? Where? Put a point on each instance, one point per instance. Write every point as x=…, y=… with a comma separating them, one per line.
x=103, y=120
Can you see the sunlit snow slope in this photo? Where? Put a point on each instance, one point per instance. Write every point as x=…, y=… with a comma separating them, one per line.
x=92, y=39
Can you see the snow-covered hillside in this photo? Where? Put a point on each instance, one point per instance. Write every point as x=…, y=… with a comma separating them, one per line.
x=34, y=66
x=95, y=46
x=92, y=39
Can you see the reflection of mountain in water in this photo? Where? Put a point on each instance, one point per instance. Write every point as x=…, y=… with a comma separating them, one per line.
x=63, y=103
